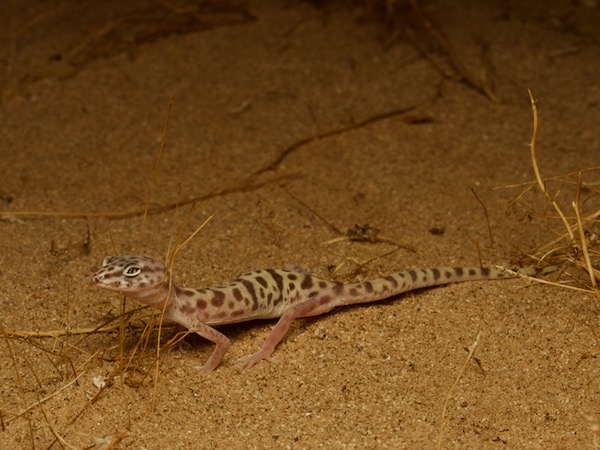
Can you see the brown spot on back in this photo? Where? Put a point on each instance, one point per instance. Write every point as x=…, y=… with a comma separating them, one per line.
x=307, y=282
x=218, y=299
x=368, y=286
x=338, y=288
x=201, y=304
x=459, y=271
x=325, y=299
x=187, y=309
x=485, y=271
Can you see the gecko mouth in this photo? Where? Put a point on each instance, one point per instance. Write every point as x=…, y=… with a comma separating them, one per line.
x=100, y=281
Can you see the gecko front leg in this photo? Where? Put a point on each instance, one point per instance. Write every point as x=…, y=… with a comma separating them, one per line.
x=222, y=344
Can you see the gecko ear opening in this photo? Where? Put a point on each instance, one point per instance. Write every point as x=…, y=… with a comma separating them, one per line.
x=132, y=271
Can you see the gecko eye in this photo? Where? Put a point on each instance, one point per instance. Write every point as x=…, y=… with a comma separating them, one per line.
x=132, y=271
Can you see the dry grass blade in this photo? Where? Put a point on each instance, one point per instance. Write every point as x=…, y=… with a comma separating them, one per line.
x=584, y=247
x=536, y=169
x=570, y=248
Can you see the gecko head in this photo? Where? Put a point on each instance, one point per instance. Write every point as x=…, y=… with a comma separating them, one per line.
x=138, y=277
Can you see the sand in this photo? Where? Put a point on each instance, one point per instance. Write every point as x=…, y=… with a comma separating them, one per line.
x=291, y=123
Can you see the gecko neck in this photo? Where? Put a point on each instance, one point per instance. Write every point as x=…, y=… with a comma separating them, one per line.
x=159, y=296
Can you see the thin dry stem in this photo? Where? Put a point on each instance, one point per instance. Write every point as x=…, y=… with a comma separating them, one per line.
x=536, y=169
x=161, y=150
x=584, y=247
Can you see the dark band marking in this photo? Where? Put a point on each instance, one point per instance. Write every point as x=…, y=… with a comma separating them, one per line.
x=413, y=275
x=278, y=295
x=472, y=272
x=485, y=271
x=237, y=294
x=459, y=271
x=182, y=292
x=368, y=286
x=262, y=281
x=392, y=280
x=436, y=274
x=250, y=288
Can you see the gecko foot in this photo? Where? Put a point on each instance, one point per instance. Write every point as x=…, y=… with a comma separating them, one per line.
x=246, y=362
x=204, y=369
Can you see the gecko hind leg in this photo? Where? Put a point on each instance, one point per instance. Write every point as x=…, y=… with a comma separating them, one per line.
x=312, y=307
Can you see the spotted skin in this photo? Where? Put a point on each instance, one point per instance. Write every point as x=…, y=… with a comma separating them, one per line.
x=263, y=294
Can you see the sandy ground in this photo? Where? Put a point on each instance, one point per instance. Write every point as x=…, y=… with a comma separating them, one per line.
x=290, y=125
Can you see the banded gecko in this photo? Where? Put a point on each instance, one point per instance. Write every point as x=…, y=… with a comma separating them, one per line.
x=263, y=294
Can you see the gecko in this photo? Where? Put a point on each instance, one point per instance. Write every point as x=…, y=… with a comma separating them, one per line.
x=263, y=294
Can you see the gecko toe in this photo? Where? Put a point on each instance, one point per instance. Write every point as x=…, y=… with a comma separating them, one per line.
x=247, y=362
